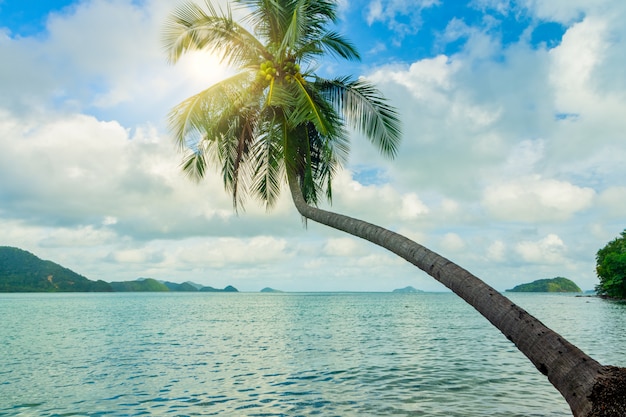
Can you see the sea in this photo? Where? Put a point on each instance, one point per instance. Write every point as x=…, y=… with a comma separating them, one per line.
x=284, y=354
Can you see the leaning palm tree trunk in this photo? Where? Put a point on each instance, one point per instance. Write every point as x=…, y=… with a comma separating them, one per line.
x=589, y=388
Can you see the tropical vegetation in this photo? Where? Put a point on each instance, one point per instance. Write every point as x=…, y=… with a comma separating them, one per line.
x=611, y=268
x=276, y=120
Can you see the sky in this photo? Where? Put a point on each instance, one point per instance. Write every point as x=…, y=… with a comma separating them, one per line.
x=511, y=164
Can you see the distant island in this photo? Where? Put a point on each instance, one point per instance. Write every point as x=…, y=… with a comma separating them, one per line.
x=558, y=284
x=407, y=290
x=21, y=271
x=153, y=285
x=268, y=289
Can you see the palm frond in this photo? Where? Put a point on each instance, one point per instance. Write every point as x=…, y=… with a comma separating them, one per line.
x=206, y=111
x=294, y=29
x=301, y=105
x=234, y=154
x=336, y=44
x=267, y=157
x=364, y=108
x=267, y=17
x=218, y=127
x=191, y=27
x=194, y=164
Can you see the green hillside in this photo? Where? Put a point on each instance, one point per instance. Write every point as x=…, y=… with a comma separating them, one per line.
x=228, y=288
x=21, y=271
x=151, y=284
x=147, y=284
x=558, y=284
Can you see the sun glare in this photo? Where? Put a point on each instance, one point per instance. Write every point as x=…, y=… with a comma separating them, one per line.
x=203, y=69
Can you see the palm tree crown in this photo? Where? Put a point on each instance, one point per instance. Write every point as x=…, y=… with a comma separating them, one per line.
x=275, y=117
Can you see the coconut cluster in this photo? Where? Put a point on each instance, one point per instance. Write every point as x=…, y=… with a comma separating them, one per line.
x=289, y=71
x=267, y=71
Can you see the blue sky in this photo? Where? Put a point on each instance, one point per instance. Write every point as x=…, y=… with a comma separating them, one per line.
x=417, y=33
x=400, y=35
x=29, y=18
x=511, y=162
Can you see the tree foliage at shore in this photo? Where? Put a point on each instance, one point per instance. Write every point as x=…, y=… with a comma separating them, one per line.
x=611, y=268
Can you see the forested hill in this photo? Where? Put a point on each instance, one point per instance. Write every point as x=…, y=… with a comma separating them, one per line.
x=21, y=271
x=558, y=284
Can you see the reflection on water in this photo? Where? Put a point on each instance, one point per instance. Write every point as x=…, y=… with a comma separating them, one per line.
x=283, y=354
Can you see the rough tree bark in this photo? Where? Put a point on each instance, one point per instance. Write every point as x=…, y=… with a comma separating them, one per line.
x=590, y=389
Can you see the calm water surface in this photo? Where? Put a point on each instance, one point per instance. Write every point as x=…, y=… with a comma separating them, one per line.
x=251, y=354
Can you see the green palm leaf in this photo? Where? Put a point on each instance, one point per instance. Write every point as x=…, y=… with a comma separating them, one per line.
x=365, y=109
x=191, y=27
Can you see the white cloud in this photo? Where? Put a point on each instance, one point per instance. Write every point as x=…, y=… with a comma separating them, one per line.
x=85, y=236
x=496, y=252
x=549, y=250
x=221, y=252
x=450, y=206
x=375, y=11
x=452, y=242
x=523, y=158
x=412, y=207
x=135, y=256
x=425, y=79
x=567, y=11
x=533, y=199
x=345, y=246
x=395, y=14
x=613, y=200
x=501, y=6
x=581, y=50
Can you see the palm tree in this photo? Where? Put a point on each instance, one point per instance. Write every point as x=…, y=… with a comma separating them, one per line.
x=277, y=120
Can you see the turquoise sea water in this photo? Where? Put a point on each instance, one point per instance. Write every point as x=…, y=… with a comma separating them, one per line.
x=249, y=354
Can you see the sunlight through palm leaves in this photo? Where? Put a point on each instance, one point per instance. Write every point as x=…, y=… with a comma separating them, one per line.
x=276, y=117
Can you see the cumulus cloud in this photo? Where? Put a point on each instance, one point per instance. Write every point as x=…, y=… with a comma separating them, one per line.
x=549, y=250
x=222, y=251
x=567, y=11
x=496, y=251
x=452, y=242
x=136, y=256
x=573, y=62
x=92, y=171
x=394, y=13
x=612, y=201
x=412, y=207
x=346, y=246
x=424, y=80
x=534, y=199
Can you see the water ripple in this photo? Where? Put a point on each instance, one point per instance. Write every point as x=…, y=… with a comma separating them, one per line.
x=281, y=355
